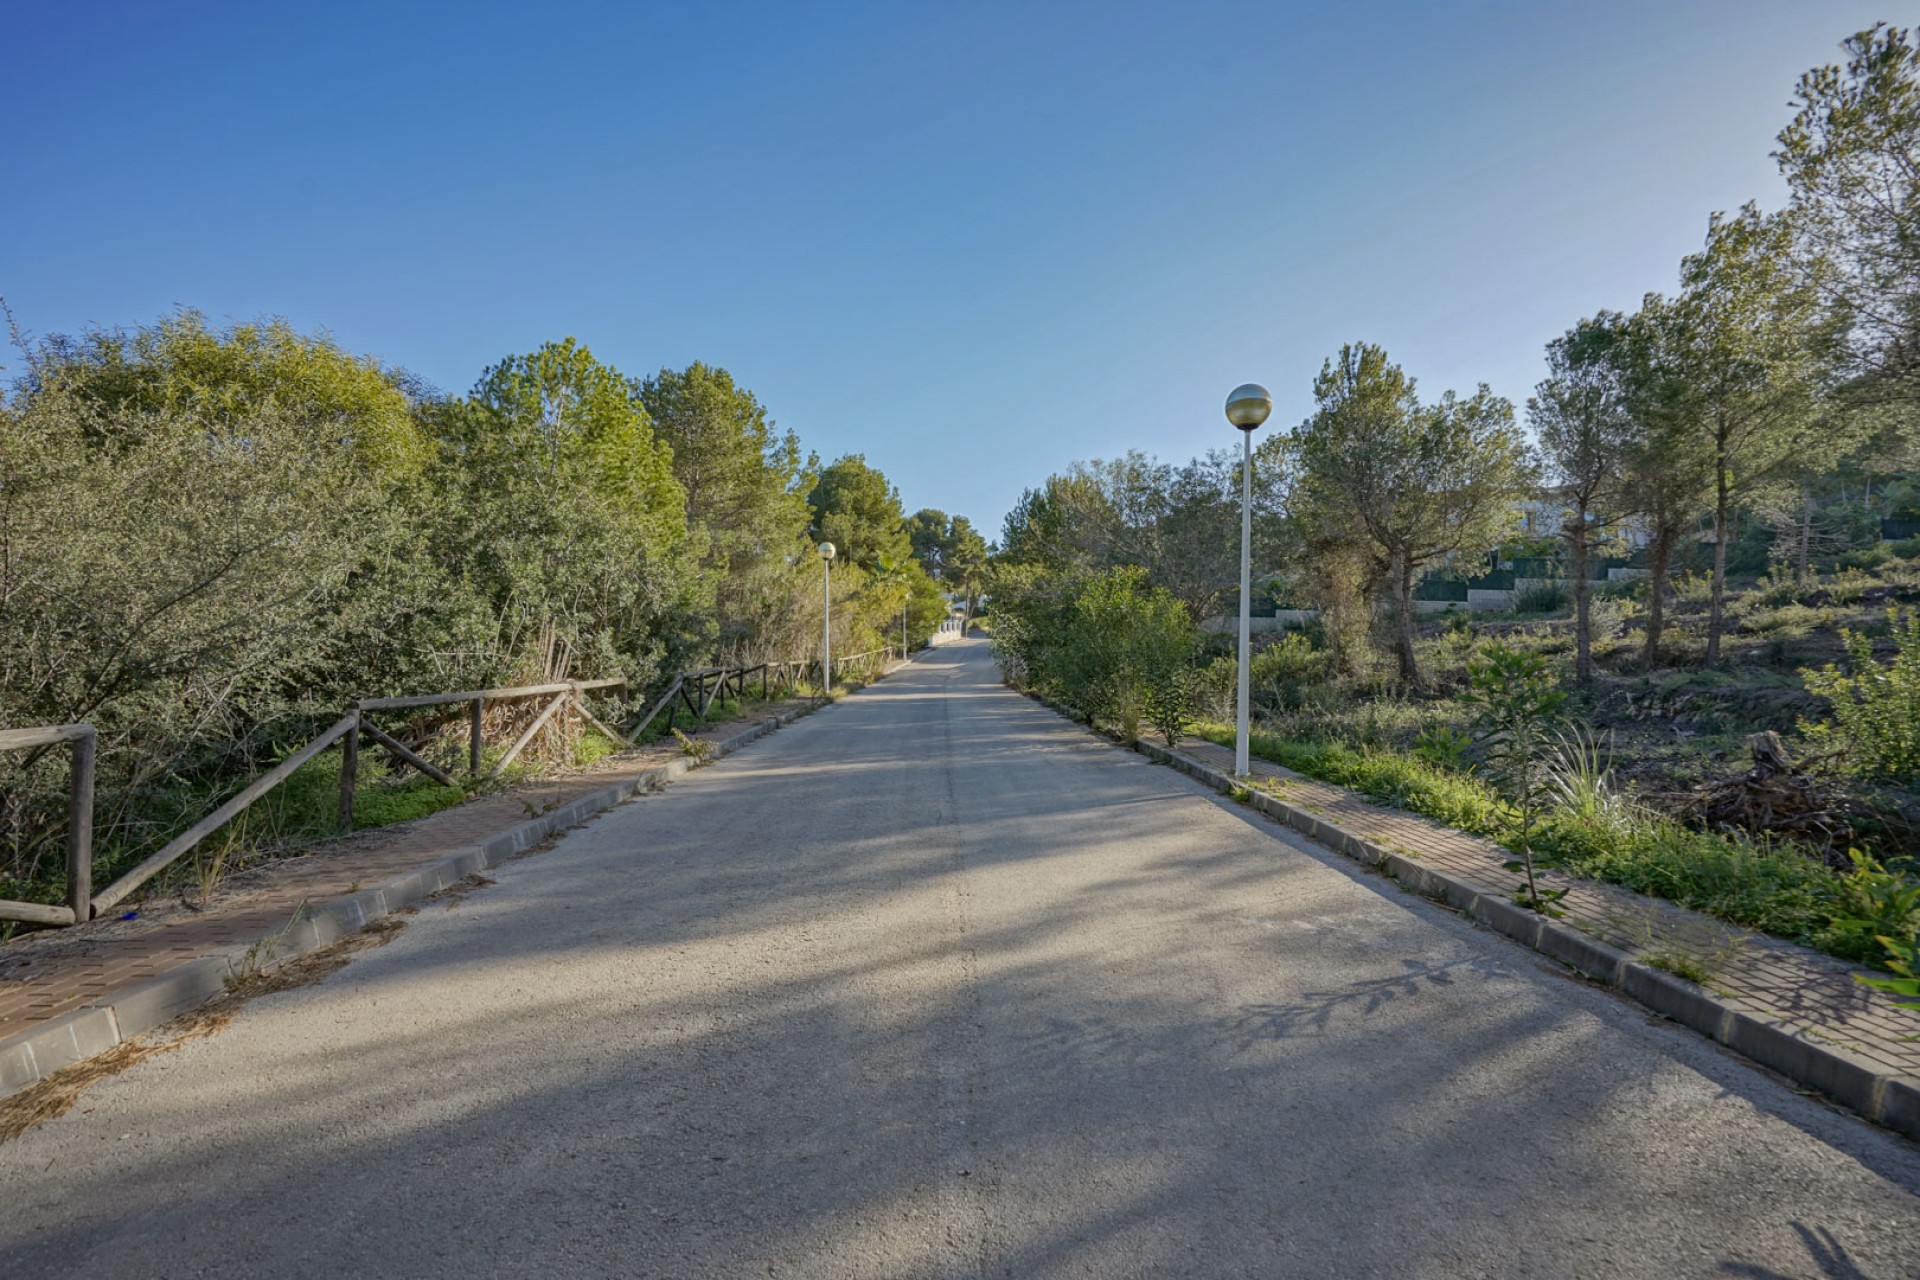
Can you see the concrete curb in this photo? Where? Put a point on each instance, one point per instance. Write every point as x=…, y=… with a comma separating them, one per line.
x=38, y=1052
x=1847, y=1078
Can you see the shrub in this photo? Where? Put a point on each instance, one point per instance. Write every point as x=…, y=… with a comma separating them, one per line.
x=1278, y=670
x=1869, y=903
x=1864, y=558
x=1848, y=585
x=1541, y=597
x=1875, y=721
x=1787, y=622
x=1692, y=588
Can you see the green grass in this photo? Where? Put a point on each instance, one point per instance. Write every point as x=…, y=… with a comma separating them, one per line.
x=1776, y=890
x=1391, y=777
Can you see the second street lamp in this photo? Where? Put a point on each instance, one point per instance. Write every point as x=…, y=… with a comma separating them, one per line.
x=826, y=618
x=1247, y=408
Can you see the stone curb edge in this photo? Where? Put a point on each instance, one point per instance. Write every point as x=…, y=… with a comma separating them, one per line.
x=1844, y=1077
x=32, y=1055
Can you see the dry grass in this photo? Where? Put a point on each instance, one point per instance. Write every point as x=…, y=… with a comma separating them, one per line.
x=54, y=1096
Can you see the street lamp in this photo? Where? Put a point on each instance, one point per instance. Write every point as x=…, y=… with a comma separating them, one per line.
x=1247, y=408
x=826, y=614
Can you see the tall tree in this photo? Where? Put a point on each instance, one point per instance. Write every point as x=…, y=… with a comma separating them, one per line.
x=579, y=523
x=1667, y=473
x=930, y=534
x=746, y=511
x=1421, y=482
x=1851, y=156
x=738, y=473
x=855, y=508
x=1579, y=414
x=1751, y=342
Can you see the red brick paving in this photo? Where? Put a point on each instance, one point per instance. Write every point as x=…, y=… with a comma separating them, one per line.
x=1760, y=975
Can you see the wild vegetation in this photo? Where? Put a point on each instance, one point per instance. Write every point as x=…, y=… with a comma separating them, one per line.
x=214, y=538
x=1661, y=629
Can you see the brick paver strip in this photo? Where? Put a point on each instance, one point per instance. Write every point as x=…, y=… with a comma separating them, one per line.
x=1786, y=1006
x=62, y=992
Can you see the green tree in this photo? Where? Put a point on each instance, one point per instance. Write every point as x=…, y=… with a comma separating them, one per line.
x=184, y=371
x=1667, y=474
x=577, y=522
x=1851, y=156
x=1750, y=342
x=1579, y=413
x=1422, y=483
x=858, y=511
x=738, y=474
x=930, y=534
x=951, y=551
x=745, y=509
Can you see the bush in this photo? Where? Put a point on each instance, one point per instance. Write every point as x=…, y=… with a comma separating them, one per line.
x=1875, y=721
x=1542, y=597
x=1279, y=670
x=1848, y=585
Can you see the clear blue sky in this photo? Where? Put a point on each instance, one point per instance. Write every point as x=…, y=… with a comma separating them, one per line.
x=974, y=242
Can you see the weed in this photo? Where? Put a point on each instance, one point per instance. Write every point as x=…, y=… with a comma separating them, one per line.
x=1904, y=959
x=1443, y=746
x=695, y=748
x=1869, y=903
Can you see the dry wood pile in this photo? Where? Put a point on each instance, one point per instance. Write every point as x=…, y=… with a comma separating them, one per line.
x=1774, y=798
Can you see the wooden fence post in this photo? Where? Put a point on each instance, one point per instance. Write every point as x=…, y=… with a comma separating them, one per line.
x=80, y=828
x=474, y=732
x=349, y=769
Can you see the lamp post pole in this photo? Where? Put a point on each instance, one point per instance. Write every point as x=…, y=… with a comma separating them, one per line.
x=1247, y=408
x=826, y=618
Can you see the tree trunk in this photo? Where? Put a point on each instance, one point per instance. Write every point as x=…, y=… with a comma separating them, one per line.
x=1716, y=608
x=1659, y=557
x=1804, y=552
x=1582, y=596
x=1405, y=629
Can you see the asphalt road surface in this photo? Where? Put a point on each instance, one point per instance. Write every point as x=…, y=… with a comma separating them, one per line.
x=934, y=984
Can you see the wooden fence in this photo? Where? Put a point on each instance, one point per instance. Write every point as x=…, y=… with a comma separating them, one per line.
x=696, y=691
x=81, y=740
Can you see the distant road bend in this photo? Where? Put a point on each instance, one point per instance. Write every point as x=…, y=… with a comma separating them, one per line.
x=934, y=984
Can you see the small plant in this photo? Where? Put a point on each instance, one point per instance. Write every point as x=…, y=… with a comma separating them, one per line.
x=1606, y=618
x=1518, y=710
x=1692, y=588
x=1904, y=959
x=1876, y=710
x=1848, y=585
x=1870, y=903
x=1775, y=588
x=1443, y=745
x=1580, y=777
x=695, y=748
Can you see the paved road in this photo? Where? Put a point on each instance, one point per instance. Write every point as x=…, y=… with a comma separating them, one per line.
x=932, y=984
